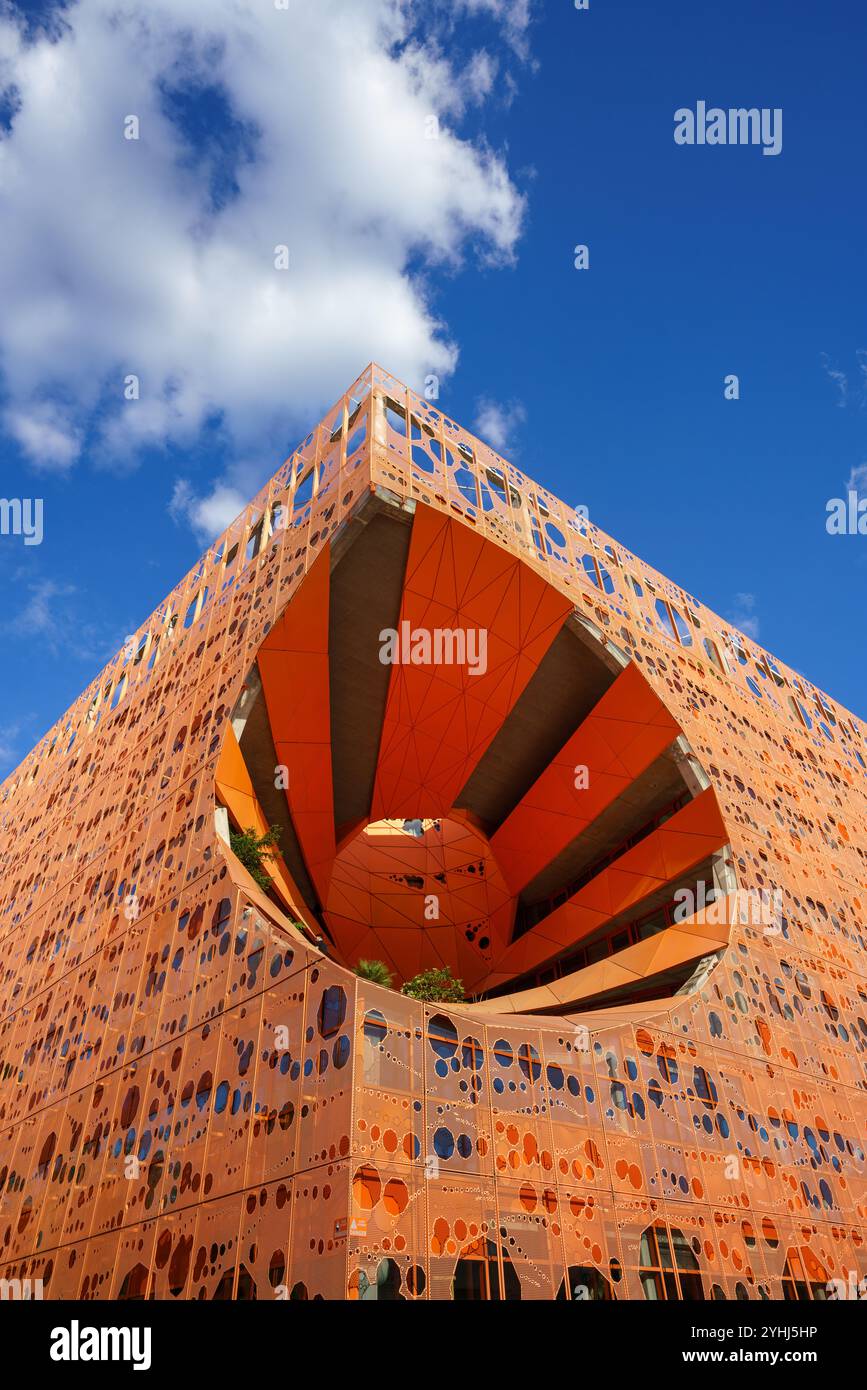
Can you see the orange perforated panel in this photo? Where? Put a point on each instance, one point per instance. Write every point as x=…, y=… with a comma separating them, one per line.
x=197, y=1102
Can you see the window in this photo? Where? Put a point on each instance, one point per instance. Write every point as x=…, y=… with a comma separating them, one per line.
x=583, y=1283
x=395, y=416
x=597, y=574
x=673, y=623
x=485, y=1274
x=667, y=1063
x=465, y=481
x=254, y=542
x=803, y=1277
x=704, y=1087
x=303, y=492
x=668, y=1267
x=737, y=647
x=829, y=1006
x=332, y=1011
x=231, y=554
x=356, y=439
x=384, y=1288
x=194, y=608
x=715, y=655
x=496, y=484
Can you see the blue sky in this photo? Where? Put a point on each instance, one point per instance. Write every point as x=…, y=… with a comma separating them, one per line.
x=455, y=256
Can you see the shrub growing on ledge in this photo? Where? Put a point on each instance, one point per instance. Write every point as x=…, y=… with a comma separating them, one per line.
x=435, y=987
x=376, y=971
x=252, y=850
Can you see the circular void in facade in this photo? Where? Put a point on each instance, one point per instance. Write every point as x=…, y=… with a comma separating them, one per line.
x=465, y=775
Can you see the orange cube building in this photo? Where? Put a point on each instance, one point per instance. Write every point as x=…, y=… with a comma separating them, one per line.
x=493, y=740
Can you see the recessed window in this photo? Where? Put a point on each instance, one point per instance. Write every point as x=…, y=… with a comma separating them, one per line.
x=597, y=574
x=303, y=492
x=704, y=1087
x=496, y=484
x=332, y=1010
x=667, y=1063
x=395, y=416
x=715, y=655
x=829, y=1006
x=668, y=1268
x=465, y=482
x=356, y=439
x=800, y=712
x=584, y=1283
x=738, y=648
x=673, y=623
x=803, y=1277
x=635, y=586
x=483, y=1273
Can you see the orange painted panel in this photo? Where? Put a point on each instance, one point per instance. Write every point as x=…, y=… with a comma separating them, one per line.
x=691, y=835
x=618, y=740
x=440, y=718
x=293, y=665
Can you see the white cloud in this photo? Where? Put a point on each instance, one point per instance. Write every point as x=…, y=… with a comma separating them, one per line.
x=514, y=15
x=58, y=617
x=744, y=615
x=840, y=379
x=9, y=744
x=498, y=424
x=857, y=481
x=481, y=74
x=116, y=259
x=208, y=515
x=42, y=433
x=847, y=391
x=38, y=616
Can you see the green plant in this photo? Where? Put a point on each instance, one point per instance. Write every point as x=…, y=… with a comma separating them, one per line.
x=252, y=850
x=374, y=970
x=435, y=986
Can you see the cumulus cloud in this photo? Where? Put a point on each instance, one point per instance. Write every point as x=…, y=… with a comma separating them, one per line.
x=744, y=615
x=208, y=514
x=498, y=424
x=305, y=127
x=513, y=14
x=44, y=435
